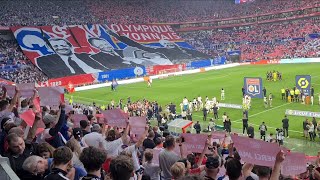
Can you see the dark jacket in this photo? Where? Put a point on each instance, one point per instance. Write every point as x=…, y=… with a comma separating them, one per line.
x=56, y=174
x=197, y=127
x=17, y=161
x=56, y=136
x=53, y=66
x=285, y=123
x=250, y=131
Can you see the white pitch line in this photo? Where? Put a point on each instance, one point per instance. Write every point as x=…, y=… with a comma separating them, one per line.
x=264, y=111
x=80, y=97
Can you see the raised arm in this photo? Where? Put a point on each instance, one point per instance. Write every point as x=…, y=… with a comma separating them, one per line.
x=203, y=152
x=33, y=130
x=14, y=100
x=35, y=94
x=277, y=166
x=124, y=137
x=62, y=116
x=246, y=170
x=143, y=136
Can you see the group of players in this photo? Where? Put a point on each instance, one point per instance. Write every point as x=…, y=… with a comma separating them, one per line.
x=274, y=76
x=296, y=95
x=197, y=105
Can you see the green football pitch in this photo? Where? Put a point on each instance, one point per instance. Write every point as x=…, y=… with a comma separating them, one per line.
x=175, y=88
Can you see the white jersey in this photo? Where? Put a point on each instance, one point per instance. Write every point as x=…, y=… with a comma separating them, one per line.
x=199, y=99
x=265, y=99
x=214, y=99
x=222, y=91
x=185, y=101
x=194, y=101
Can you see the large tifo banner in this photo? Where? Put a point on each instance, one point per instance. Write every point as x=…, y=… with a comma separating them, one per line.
x=253, y=87
x=61, y=51
x=303, y=82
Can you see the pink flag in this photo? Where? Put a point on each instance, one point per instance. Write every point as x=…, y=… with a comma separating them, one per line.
x=50, y=96
x=137, y=125
x=28, y=117
x=36, y=103
x=26, y=89
x=185, y=151
x=115, y=117
x=194, y=142
x=218, y=135
x=11, y=90
x=294, y=164
x=256, y=151
x=77, y=118
x=126, y=115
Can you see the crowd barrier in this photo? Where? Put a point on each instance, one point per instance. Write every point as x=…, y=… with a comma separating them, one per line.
x=6, y=173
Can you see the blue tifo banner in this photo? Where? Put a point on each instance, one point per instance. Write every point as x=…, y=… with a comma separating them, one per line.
x=199, y=64
x=121, y=74
x=253, y=87
x=303, y=83
x=206, y=63
x=219, y=60
x=234, y=53
x=302, y=113
x=314, y=35
x=232, y=106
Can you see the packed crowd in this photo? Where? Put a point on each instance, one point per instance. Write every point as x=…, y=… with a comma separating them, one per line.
x=26, y=74
x=82, y=12
x=40, y=13
x=95, y=150
x=16, y=67
x=186, y=11
x=10, y=53
x=264, y=41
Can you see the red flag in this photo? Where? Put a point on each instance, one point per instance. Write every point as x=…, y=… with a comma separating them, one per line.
x=28, y=117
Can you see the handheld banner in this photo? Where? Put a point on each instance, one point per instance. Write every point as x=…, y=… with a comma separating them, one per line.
x=115, y=117
x=256, y=151
x=253, y=87
x=303, y=82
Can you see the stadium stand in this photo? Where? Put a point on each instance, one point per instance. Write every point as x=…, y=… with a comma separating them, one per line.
x=15, y=66
x=37, y=13
x=289, y=39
